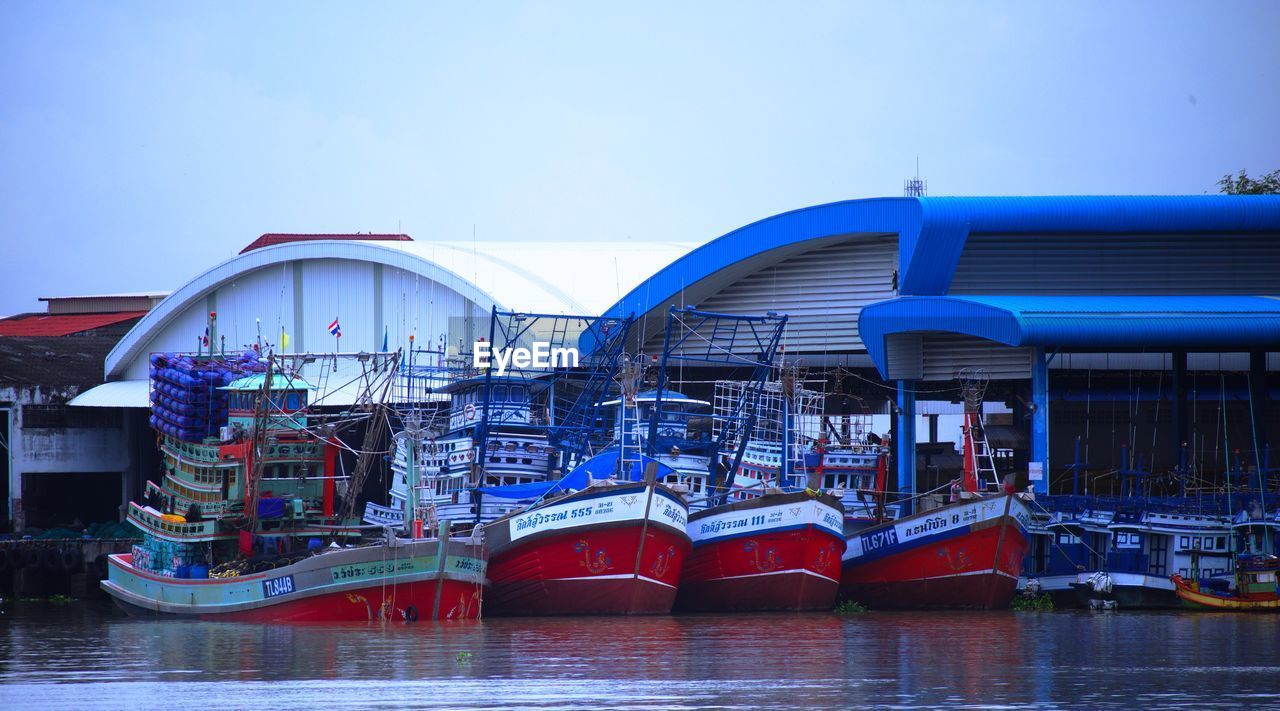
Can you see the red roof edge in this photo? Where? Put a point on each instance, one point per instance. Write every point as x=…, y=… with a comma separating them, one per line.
x=273, y=238
x=62, y=324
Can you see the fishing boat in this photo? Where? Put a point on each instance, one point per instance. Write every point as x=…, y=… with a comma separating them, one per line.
x=775, y=543
x=607, y=539
x=777, y=551
x=1257, y=587
x=247, y=524
x=856, y=466
x=1256, y=578
x=1148, y=540
x=507, y=414
x=967, y=553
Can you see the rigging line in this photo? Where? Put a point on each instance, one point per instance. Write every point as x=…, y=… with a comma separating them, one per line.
x=1155, y=425
x=1054, y=538
x=894, y=389
x=1088, y=418
x=333, y=391
x=1226, y=438
x=1257, y=455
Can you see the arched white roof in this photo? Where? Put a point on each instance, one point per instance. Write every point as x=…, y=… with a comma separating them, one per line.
x=409, y=287
x=551, y=277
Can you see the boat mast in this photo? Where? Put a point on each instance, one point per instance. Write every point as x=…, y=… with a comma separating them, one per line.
x=259, y=454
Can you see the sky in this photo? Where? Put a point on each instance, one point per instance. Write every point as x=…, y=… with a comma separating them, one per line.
x=143, y=143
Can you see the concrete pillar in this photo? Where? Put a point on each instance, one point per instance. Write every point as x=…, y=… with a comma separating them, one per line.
x=17, y=516
x=1040, y=422
x=905, y=444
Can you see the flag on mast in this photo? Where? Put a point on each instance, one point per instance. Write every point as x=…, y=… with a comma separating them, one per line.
x=284, y=339
x=384, y=339
x=335, y=329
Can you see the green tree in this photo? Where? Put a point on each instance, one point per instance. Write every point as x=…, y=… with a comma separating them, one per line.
x=1242, y=184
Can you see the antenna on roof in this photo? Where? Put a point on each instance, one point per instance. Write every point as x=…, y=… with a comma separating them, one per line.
x=915, y=187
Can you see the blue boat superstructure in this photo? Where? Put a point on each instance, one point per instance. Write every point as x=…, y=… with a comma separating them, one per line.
x=1125, y=549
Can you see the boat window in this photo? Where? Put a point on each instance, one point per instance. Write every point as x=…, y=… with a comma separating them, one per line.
x=291, y=401
x=1184, y=542
x=499, y=393
x=1222, y=542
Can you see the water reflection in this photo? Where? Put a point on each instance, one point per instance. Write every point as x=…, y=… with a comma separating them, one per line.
x=80, y=656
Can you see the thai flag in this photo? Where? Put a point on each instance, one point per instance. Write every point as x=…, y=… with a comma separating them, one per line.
x=335, y=329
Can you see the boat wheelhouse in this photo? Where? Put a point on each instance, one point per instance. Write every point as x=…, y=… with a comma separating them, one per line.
x=683, y=435
x=510, y=415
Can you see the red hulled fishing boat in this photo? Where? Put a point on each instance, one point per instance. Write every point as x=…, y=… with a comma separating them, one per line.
x=613, y=545
x=964, y=554
x=779, y=551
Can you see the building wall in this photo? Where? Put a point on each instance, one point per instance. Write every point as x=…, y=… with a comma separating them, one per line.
x=46, y=437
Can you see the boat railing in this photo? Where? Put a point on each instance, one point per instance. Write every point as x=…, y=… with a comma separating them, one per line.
x=155, y=523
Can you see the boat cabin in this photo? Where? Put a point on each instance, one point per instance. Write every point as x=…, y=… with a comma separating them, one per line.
x=286, y=408
x=501, y=400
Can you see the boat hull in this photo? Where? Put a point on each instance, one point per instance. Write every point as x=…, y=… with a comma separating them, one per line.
x=621, y=553
x=962, y=555
x=1059, y=588
x=1194, y=598
x=409, y=581
x=1129, y=591
x=775, y=552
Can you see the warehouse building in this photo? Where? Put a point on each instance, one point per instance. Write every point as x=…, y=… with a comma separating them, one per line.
x=375, y=290
x=1130, y=326
x=1165, y=307
x=46, y=447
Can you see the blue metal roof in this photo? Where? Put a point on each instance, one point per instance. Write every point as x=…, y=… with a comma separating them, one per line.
x=932, y=232
x=1091, y=321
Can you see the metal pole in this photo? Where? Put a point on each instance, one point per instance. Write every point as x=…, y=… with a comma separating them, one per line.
x=905, y=445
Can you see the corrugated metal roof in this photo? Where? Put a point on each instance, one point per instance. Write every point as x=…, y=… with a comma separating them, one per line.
x=929, y=255
x=771, y=235
x=62, y=361
x=62, y=324
x=1079, y=321
x=933, y=230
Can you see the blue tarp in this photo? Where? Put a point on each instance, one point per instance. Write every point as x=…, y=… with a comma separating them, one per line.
x=601, y=466
x=270, y=508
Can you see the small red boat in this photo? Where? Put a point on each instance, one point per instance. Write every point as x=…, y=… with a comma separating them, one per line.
x=611, y=548
x=779, y=551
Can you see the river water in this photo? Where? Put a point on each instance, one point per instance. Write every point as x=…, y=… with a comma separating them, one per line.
x=83, y=656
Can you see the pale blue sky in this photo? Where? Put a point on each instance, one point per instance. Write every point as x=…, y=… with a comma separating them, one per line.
x=141, y=143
